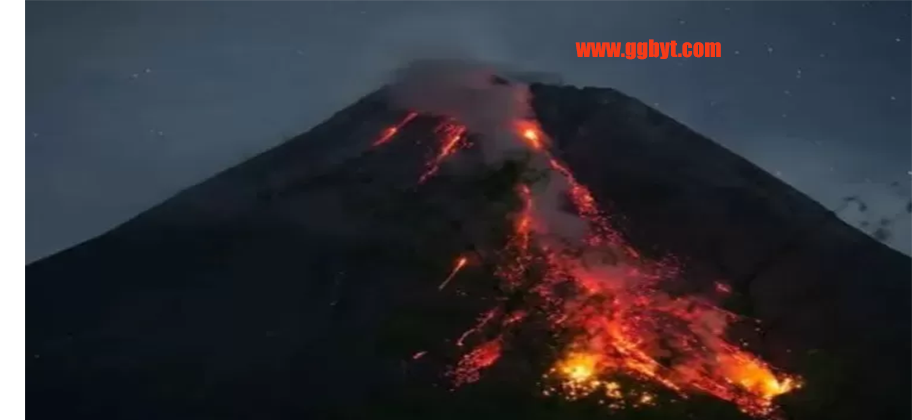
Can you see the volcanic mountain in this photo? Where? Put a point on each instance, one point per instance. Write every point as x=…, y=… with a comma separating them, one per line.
x=383, y=265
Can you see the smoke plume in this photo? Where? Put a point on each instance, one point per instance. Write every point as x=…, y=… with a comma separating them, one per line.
x=463, y=90
x=473, y=94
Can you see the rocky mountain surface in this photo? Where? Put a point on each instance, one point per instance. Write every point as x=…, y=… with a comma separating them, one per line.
x=301, y=283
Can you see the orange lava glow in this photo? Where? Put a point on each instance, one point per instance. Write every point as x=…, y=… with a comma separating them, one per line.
x=453, y=139
x=608, y=302
x=390, y=132
x=578, y=367
x=530, y=133
x=461, y=262
x=481, y=357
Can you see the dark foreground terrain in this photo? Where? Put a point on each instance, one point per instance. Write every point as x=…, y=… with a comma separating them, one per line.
x=300, y=283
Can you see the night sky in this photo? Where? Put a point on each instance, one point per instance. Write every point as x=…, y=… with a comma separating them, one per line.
x=128, y=103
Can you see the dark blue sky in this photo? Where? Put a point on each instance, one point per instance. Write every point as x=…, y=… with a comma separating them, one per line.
x=129, y=102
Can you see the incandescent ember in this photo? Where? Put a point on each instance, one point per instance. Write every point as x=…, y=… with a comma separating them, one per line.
x=608, y=300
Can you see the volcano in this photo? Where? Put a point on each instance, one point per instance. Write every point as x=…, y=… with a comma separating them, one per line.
x=379, y=266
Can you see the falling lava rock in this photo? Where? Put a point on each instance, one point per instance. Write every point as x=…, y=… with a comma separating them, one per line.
x=296, y=284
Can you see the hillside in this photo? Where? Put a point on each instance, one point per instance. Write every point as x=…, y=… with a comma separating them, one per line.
x=305, y=283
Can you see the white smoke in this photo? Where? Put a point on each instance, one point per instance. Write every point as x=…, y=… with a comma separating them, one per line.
x=465, y=90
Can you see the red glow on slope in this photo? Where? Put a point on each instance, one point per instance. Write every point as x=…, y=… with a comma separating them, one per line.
x=609, y=301
x=530, y=133
x=460, y=262
x=389, y=132
x=453, y=138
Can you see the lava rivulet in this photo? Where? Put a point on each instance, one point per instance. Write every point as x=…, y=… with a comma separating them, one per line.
x=608, y=303
x=389, y=132
x=461, y=262
x=530, y=134
x=484, y=355
x=453, y=138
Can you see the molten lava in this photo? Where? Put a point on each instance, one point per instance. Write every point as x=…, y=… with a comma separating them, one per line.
x=388, y=134
x=579, y=367
x=461, y=262
x=723, y=288
x=481, y=357
x=454, y=138
x=609, y=304
x=530, y=133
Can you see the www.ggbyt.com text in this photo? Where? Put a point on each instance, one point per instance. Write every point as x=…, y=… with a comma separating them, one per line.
x=651, y=49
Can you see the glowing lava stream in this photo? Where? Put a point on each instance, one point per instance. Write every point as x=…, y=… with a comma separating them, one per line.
x=454, y=135
x=461, y=262
x=618, y=319
x=388, y=134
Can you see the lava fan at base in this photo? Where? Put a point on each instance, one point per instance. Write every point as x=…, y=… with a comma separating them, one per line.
x=604, y=300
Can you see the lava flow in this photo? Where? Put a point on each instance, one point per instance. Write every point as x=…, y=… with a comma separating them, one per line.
x=607, y=303
x=388, y=134
x=454, y=138
x=461, y=262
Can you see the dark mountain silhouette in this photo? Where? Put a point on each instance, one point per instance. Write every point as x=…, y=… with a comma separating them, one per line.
x=300, y=283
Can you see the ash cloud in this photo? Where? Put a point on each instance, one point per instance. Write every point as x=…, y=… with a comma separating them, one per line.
x=464, y=90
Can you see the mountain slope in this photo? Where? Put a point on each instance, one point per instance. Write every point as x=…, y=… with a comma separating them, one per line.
x=300, y=283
